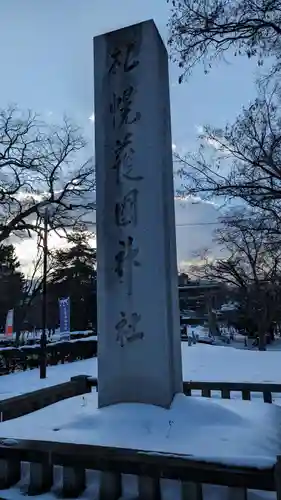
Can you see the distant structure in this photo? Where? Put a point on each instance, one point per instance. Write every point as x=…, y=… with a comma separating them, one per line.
x=197, y=298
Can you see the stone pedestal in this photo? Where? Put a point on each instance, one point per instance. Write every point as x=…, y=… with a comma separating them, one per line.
x=139, y=350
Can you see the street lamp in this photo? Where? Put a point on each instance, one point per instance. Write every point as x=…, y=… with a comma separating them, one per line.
x=43, y=339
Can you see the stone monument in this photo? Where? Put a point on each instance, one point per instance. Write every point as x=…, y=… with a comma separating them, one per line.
x=139, y=348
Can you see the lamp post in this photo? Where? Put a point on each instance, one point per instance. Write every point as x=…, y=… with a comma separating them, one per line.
x=43, y=340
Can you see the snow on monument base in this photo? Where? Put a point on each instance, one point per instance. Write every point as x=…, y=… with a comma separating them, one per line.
x=223, y=431
x=139, y=353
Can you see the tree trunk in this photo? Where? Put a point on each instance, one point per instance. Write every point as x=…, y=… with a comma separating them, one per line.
x=20, y=317
x=262, y=337
x=271, y=333
x=262, y=343
x=17, y=342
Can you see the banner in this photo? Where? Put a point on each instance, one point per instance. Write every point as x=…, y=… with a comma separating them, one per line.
x=9, y=323
x=64, y=308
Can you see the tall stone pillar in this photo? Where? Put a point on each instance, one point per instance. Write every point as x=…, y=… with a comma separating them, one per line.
x=139, y=348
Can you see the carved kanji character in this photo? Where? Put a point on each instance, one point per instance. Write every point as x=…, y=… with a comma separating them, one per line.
x=126, y=209
x=121, y=107
x=127, y=328
x=125, y=261
x=123, y=58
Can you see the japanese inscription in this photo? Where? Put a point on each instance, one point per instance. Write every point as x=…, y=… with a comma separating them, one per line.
x=122, y=113
x=123, y=118
x=127, y=330
x=125, y=260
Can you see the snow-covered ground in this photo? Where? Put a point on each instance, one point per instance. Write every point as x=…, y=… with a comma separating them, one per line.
x=200, y=362
x=237, y=432
x=15, y=384
x=225, y=363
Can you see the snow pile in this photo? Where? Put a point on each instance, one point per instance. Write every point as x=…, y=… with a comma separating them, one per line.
x=236, y=432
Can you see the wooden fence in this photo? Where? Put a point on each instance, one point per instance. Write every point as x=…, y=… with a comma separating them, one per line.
x=37, y=467
x=71, y=461
x=224, y=389
x=36, y=400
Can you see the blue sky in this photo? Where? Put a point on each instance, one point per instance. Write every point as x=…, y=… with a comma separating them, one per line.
x=47, y=66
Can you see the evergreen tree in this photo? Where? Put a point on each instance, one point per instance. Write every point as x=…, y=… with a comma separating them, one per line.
x=73, y=275
x=11, y=281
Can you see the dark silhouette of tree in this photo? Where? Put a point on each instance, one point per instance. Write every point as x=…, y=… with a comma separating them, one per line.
x=73, y=275
x=204, y=30
x=251, y=267
x=11, y=281
x=241, y=162
x=28, y=312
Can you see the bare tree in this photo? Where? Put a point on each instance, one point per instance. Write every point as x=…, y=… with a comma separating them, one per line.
x=242, y=161
x=204, y=30
x=251, y=266
x=39, y=165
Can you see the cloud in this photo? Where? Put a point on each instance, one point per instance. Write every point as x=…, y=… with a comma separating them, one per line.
x=26, y=249
x=174, y=147
x=199, y=129
x=195, y=225
x=213, y=143
x=34, y=197
x=194, y=200
x=92, y=117
x=208, y=140
x=196, y=221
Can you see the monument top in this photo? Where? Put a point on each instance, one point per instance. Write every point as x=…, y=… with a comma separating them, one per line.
x=119, y=33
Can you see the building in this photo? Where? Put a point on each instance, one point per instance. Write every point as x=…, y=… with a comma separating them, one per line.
x=197, y=298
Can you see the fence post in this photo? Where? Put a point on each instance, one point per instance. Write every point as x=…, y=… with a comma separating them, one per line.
x=110, y=486
x=277, y=478
x=10, y=472
x=40, y=478
x=267, y=397
x=74, y=481
x=225, y=394
x=149, y=488
x=83, y=383
x=246, y=395
x=206, y=393
x=191, y=491
x=237, y=493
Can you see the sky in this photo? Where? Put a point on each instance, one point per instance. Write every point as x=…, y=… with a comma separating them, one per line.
x=46, y=55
